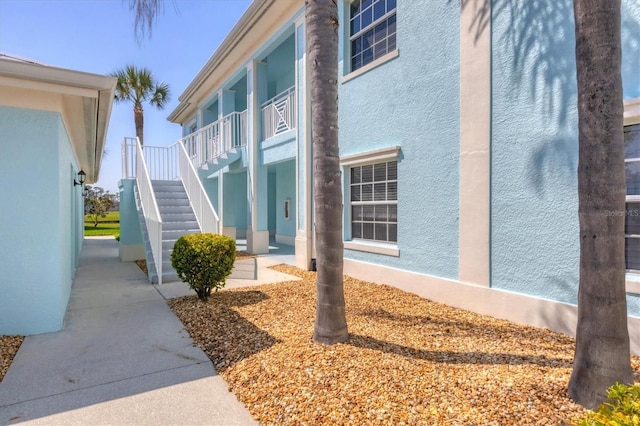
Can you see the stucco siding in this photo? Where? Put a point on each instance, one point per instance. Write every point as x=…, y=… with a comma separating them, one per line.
x=285, y=190
x=413, y=101
x=131, y=245
x=37, y=256
x=534, y=150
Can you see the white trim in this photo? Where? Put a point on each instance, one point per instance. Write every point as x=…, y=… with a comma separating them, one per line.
x=631, y=111
x=286, y=239
x=474, y=233
x=372, y=247
x=378, y=155
x=129, y=253
x=229, y=231
x=515, y=307
x=371, y=65
x=632, y=281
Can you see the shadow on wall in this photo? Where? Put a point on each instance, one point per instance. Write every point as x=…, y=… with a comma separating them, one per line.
x=555, y=158
x=537, y=38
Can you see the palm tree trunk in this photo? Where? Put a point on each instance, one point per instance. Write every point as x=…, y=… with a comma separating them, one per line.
x=602, y=337
x=138, y=118
x=322, y=40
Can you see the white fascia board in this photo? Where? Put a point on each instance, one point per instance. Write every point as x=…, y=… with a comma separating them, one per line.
x=261, y=20
x=72, y=88
x=55, y=75
x=374, y=156
x=632, y=111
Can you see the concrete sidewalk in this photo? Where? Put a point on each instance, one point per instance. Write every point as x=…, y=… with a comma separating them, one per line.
x=122, y=357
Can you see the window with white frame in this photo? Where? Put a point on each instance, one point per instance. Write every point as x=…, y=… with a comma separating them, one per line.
x=372, y=32
x=374, y=202
x=632, y=217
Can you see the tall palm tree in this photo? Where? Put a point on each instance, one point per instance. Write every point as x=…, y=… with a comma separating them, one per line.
x=602, y=337
x=137, y=85
x=322, y=39
x=322, y=48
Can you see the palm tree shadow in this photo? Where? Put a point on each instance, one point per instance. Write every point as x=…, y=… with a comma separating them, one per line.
x=451, y=357
x=236, y=338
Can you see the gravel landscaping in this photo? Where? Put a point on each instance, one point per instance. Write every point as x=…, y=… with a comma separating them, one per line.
x=9, y=346
x=408, y=360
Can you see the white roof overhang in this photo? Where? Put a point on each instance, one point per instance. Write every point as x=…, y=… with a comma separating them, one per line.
x=84, y=101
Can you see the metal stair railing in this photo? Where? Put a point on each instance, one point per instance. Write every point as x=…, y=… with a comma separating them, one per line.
x=203, y=209
x=149, y=208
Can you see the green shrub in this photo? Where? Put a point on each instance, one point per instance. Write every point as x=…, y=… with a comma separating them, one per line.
x=622, y=410
x=204, y=261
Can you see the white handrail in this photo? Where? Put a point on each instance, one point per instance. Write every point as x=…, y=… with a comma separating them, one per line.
x=129, y=158
x=149, y=208
x=202, y=207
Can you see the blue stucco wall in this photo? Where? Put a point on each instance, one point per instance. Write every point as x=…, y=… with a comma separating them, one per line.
x=211, y=188
x=130, y=232
x=235, y=200
x=40, y=225
x=534, y=149
x=281, y=67
x=240, y=89
x=413, y=101
x=285, y=190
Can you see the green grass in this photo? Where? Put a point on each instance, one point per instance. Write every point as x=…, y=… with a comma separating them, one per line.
x=109, y=225
x=102, y=229
x=111, y=217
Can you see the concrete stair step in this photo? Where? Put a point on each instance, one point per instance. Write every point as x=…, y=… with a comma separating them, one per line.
x=170, y=210
x=180, y=225
x=178, y=217
x=172, y=202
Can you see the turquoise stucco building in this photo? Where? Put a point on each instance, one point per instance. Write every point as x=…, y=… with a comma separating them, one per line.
x=458, y=143
x=53, y=124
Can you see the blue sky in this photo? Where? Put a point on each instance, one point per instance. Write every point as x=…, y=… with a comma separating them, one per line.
x=97, y=36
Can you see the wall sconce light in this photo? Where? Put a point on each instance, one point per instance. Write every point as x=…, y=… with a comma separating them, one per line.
x=81, y=176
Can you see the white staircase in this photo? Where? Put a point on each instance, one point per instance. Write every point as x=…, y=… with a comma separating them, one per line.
x=178, y=219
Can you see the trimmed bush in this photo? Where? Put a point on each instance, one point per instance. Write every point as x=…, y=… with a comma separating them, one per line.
x=204, y=261
x=623, y=408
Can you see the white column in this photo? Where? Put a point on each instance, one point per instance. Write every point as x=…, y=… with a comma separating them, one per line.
x=304, y=159
x=475, y=144
x=257, y=223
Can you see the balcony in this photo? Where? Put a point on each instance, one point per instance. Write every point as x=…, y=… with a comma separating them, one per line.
x=279, y=114
x=215, y=139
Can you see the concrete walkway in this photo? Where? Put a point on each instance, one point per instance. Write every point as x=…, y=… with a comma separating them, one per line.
x=122, y=357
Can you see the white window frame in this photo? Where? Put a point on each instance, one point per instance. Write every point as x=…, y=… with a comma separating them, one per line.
x=631, y=117
x=371, y=157
x=389, y=55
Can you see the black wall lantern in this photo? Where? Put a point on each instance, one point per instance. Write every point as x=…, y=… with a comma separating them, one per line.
x=81, y=176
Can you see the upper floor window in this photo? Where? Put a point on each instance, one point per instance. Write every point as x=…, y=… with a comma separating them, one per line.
x=372, y=30
x=632, y=219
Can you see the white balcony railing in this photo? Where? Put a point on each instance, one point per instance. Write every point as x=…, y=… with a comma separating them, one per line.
x=213, y=140
x=279, y=114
